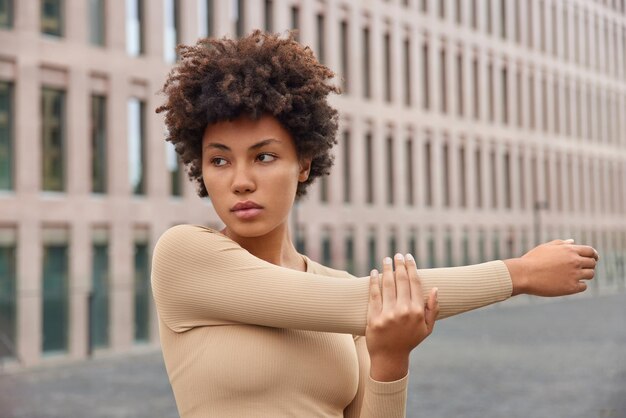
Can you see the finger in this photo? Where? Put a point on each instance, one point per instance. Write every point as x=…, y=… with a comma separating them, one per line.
x=581, y=287
x=403, y=289
x=568, y=241
x=432, y=309
x=389, y=284
x=586, y=251
x=375, y=304
x=414, y=280
x=587, y=274
x=588, y=263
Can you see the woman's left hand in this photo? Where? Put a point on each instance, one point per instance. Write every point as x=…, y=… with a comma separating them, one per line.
x=397, y=318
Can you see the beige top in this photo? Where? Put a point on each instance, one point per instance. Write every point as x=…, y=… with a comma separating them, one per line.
x=242, y=337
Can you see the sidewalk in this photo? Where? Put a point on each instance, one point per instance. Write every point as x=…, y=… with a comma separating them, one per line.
x=563, y=359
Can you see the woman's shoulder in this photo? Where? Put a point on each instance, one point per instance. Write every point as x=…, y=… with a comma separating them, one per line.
x=190, y=235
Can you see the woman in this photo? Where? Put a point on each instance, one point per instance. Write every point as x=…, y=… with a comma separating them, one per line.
x=250, y=327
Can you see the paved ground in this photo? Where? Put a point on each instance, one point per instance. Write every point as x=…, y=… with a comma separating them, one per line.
x=562, y=359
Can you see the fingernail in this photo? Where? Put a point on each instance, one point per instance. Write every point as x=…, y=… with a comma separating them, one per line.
x=399, y=257
x=374, y=272
x=410, y=257
x=570, y=240
x=387, y=260
x=436, y=293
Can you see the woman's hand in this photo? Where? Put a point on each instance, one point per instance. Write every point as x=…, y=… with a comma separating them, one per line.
x=556, y=268
x=397, y=319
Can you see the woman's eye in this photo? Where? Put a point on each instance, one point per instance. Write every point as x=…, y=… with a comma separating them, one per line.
x=218, y=162
x=266, y=158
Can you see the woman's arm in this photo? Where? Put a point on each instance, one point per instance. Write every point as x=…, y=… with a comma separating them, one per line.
x=200, y=277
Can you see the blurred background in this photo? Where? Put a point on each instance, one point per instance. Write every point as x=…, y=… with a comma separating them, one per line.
x=470, y=130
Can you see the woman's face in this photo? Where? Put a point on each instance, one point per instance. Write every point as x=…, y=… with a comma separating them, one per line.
x=251, y=171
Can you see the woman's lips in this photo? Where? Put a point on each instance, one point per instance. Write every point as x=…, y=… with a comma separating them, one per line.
x=247, y=213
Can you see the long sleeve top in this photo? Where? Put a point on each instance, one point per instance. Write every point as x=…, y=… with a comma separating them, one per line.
x=242, y=337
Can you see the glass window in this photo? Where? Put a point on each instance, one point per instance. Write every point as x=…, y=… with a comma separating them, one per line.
x=478, y=159
x=410, y=196
x=174, y=167
x=55, y=290
x=6, y=136
x=98, y=144
x=393, y=245
x=345, y=61
x=449, y=249
x=99, y=297
x=388, y=67
x=505, y=96
x=295, y=20
x=269, y=16
x=53, y=138
x=300, y=239
x=369, y=169
x=367, y=76
x=390, y=175
x=97, y=29
x=431, y=250
x=6, y=13
x=407, y=72
x=240, y=22
x=327, y=254
x=324, y=189
x=445, y=155
x=350, y=267
x=134, y=27
x=321, y=38
x=444, y=80
x=142, y=289
x=206, y=26
x=459, y=83
x=52, y=17
x=371, y=250
x=476, y=89
x=137, y=146
x=172, y=29
x=425, y=78
x=347, y=168
x=462, y=178
x=428, y=173
x=8, y=294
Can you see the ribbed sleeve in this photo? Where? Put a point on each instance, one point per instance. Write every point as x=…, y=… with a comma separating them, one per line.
x=385, y=399
x=200, y=277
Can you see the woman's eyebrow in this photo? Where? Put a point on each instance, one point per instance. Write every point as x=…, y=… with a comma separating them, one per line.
x=252, y=147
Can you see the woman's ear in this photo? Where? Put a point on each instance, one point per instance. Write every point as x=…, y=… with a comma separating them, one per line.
x=305, y=169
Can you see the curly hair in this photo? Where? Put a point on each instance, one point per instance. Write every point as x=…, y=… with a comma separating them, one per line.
x=222, y=79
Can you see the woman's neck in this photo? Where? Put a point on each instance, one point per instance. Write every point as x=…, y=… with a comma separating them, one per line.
x=274, y=247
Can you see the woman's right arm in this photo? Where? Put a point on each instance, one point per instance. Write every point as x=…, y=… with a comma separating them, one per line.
x=200, y=277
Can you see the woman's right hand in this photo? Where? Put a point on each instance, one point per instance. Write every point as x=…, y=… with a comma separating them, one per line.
x=556, y=268
x=397, y=318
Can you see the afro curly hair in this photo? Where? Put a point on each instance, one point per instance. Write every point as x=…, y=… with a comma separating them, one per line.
x=223, y=79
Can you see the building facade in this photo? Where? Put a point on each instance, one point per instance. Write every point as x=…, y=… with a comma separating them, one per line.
x=469, y=131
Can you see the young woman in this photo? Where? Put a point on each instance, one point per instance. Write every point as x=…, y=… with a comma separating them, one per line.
x=250, y=327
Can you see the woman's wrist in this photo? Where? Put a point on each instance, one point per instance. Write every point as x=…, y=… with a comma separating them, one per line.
x=518, y=270
x=388, y=368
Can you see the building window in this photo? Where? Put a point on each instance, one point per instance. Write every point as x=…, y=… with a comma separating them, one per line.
x=327, y=253
x=6, y=13
x=171, y=30
x=134, y=27
x=410, y=196
x=52, y=17
x=458, y=12
x=6, y=136
x=442, y=9
x=8, y=292
x=53, y=138
x=407, y=72
x=531, y=100
x=206, y=18
x=445, y=174
x=388, y=67
x=489, y=17
x=544, y=103
x=522, y=182
x=321, y=38
x=462, y=178
x=367, y=75
x=295, y=20
x=449, y=249
x=350, y=263
x=174, y=168
x=494, y=179
x=466, y=248
x=443, y=81
x=431, y=249
x=474, y=14
x=413, y=242
x=55, y=290
x=479, y=177
x=507, y=182
x=557, y=106
x=344, y=44
x=482, y=253
x=142, y=287
x=347, y=168
x=459, y=82
x=428, y=177
x=542, y=26
x=476, y=89
x=371, y=249
x=99, y=156
x=99, y=297
x=505, y=95
x=566, y=33
x=503, y=18
x=136, y=146
x=369, y=169
x=269, y=16
x=390, y=175
x=518, y=13
x=425, y=79
x=97, y=30
x=393, y=247
x=519, y=94
x=300, y=239
x=491, y=93
x=240, y=16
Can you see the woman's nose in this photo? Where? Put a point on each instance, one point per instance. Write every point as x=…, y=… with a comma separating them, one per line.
x=243, y=181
